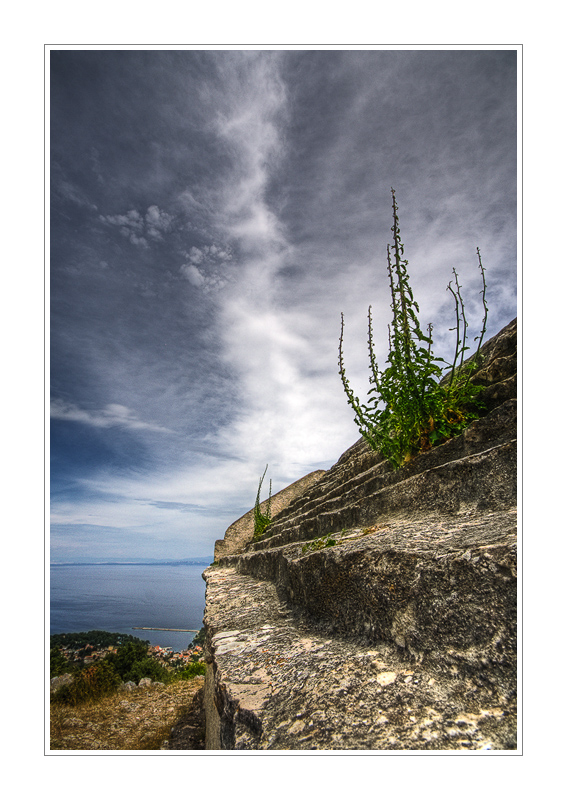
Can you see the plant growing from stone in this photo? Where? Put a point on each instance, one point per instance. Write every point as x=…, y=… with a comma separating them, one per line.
x=319, y=544
x=262, y=520
x=410, y=408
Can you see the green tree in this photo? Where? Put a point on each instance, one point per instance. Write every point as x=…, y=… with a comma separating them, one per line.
x=126, y=657
x=132, y=662
x=147, y=668
x=58, y=664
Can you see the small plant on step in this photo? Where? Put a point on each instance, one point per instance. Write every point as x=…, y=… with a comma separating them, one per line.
x=319, y=544
x=409, y=407
x=262, y=520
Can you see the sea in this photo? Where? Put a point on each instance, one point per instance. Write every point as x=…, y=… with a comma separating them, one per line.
x=120, y=597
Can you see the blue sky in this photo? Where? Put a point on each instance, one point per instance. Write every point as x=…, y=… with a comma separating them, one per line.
x=212, y=214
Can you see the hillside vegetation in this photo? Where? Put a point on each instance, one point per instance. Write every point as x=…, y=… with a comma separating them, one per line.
x=114, y=692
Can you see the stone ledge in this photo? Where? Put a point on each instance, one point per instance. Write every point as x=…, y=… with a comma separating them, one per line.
x=484, y=480
x=275, y=683
x=383, y=582
x=361, y=475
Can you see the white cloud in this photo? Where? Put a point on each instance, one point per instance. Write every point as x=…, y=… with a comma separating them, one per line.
x=69, y=190
x=195, y=255
x=157, y=222
x=132, y=221
x=285, y=411
x=193, y=275
x=211, y=274
x=137, y=240
x=112, y=415
x=187, y=506
x=137, y=228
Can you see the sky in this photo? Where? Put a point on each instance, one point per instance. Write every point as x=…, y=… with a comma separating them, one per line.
x=212, y=214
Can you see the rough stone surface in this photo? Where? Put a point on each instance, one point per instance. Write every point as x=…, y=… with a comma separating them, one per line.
x=240, y=533
x=275, y=682
x=189, y=732
x=423, y=584
x=402, y=634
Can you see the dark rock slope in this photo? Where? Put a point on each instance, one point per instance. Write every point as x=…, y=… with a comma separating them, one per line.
x=402, y=634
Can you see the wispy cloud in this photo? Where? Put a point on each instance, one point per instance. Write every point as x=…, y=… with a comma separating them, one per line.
x=68, y=190
x=112, y=415
x=243, y=231
x=281, y=405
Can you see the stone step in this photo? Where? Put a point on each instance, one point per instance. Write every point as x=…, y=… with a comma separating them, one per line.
x=483, y=479
x=400, y=635
x=275, y=682
x=497, y=427
x=427, y=571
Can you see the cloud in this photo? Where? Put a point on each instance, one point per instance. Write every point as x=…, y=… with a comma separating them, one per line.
x=196, y=255
x=187, y=506
x=193, y=275
x=112, y=415
x=72, y=193
x=206, y=267
x=288, y=407
x=278, y=338
x=138, y=228
x=157, y=222
x=282, y=225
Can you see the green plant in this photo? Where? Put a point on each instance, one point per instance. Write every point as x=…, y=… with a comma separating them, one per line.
x=410, y=409
x=262, y=520
x=58, y=664
x=126, y=657
x=192, y=670
x=319, y=544
x=90, y=683
x=147, y=668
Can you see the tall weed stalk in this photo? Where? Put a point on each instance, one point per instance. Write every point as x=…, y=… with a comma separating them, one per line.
x=409, y=407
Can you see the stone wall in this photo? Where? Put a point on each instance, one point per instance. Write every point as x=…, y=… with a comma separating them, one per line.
x=241, y=532
x=400, y=635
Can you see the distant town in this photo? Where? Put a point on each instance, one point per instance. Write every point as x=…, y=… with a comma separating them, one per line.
x=165, y=655
x=83, y=649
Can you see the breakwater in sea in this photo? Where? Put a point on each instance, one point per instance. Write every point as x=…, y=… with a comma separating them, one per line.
x=119, y=598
